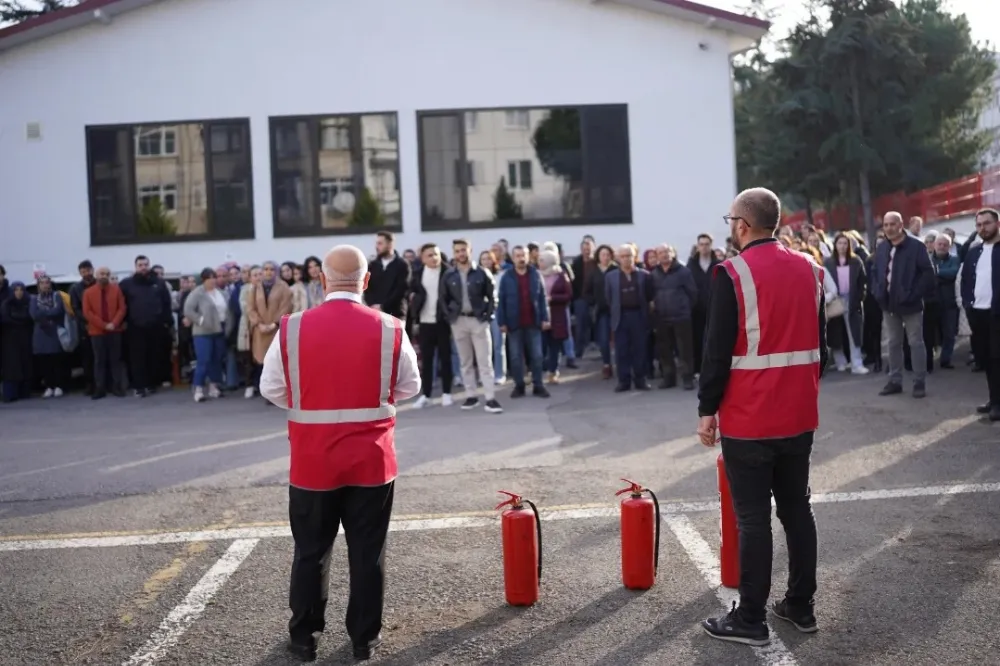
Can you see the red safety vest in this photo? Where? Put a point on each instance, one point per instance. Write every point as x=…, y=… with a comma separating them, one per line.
x=773, y=388
x=340, y=362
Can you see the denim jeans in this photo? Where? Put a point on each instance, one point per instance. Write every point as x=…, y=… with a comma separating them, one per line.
x=519, y=338
x=456, y=364
x=499, y=351
x=550, y=350
x=210, y=353
x=584, y=326
x=232, y=369
x=567, y=344
x=949, y=331
x=602, y=334
x=756, y=469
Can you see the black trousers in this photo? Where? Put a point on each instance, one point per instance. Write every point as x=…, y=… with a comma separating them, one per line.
x=435, y=338
x=756, y=469
x=87, y=361
x=699, y=318
x=986, y=348
x=54, y=369
x=145, y=351
x=671, y=336
x=108, y=363
x=316, y=517
x=871, y=334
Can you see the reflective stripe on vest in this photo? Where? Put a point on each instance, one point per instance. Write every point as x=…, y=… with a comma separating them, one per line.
x=751, y=323
x=385, y=410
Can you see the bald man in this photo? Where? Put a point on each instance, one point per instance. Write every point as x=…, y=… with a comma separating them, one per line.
x=902, y=277
x=765, y=351
x=103, y=307
x=340, y=369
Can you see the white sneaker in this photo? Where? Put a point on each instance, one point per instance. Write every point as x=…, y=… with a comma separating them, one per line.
x=421, y=402
x=199, y=394
x=248, y=393
x=213, y=391
x=57, y=392
x=500, y=381
x=859, y=370
x=841, y=367
x=48, y=393
x=446, y=400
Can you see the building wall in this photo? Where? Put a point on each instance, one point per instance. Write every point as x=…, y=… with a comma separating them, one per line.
x=184, y=60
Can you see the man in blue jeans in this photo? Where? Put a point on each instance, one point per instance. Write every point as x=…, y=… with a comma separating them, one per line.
x=523, y=313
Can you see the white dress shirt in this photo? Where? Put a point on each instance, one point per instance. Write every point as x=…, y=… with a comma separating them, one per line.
x=272, y=377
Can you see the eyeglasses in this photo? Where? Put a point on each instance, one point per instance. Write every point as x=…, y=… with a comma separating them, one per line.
x=729, y=218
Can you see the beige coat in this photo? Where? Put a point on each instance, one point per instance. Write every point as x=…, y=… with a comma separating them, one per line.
x=243, y=332
x=262, y=312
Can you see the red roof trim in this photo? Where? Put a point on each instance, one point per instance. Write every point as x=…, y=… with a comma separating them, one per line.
x=52, y=17
x=715, y=12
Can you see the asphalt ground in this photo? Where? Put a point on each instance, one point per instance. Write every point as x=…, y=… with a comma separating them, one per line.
x=155, y=532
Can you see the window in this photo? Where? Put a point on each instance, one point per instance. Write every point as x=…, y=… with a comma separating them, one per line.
x=170, y=182
x=519, y=174
x=564, y=165
x=335, y=174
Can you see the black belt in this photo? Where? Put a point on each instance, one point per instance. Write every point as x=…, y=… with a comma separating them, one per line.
x=468, y=314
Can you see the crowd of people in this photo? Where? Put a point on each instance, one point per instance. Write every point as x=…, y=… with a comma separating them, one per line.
x=505, y=313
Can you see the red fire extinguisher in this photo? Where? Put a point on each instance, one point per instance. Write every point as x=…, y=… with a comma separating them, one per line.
x=640, y=537
x=729, y=532
x=522, y=550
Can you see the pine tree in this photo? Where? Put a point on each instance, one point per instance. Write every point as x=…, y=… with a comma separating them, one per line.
x=367, y=212
x=505, y=206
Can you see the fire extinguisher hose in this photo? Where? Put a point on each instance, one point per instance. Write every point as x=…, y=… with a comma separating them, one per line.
x=656, y=543
x=538, y=529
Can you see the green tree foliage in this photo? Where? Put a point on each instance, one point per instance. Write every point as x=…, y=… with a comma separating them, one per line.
x=154, y=221
x=15, y=11
x=505, y=206
x=866, y=98
x=557, y=144
x=367, y=212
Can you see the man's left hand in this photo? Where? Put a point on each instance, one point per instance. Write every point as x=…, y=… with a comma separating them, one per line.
x=707, y=427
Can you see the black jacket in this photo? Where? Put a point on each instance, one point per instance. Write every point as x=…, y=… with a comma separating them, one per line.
x=577, y=274
x=593, y=289
x=702, y=279
x=913, y=277
x=972, y=257
x=147, y=301
x=387, y=286
x=720, y=340
x=76, y=300
x=482, y=294
x=418, y=295
x=675, y=293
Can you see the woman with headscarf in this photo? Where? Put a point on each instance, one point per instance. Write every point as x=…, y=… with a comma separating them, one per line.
x=251, y=370
x=49, y=313
x=16, y=330
x=559, y=293
x=308, y=292
x=267, y=305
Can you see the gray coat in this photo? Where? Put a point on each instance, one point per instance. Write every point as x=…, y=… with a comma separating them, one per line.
x=200, y=309
x=45, y=337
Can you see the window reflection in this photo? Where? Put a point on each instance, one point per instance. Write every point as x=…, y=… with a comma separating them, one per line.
x=554, y=165
x=335, y=172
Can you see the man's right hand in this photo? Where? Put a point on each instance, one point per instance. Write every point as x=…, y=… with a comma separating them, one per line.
x=109, y=327
x=503, y=329
x=186, y=322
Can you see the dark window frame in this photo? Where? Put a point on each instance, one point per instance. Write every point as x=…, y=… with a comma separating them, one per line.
x=316, y=229
x=135, y=239
x=464, y=224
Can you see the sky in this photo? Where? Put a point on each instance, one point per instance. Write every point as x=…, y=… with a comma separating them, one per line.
x=983, y=15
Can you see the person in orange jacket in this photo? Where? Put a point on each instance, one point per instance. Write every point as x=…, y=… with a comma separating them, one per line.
x=104, y=311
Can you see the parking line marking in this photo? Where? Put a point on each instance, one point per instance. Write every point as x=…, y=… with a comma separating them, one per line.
x=707, y=563
x=197, y=449
x=452, y=521
x=190, y=609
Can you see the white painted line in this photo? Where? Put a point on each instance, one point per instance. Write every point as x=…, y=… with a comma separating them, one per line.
x=197, y=449
x=456, y=522
x=190, y=609
x=707, y=563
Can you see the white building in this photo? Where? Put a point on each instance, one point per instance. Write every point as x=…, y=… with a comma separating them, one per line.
x=201, y=131
x=990, y=119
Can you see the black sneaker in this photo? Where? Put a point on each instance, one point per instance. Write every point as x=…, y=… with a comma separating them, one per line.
x=802, y=618
x=518, y=392
x=994, y=414
x=892, y=388
x=304, y=649
x=140, y=393
x=622, y=388
x=493, y=407
x=919, y=390
x=984, y=409
x=540, y=391
x=731, y=627
x=364, y=652
x=642, y=386
x=470, y=403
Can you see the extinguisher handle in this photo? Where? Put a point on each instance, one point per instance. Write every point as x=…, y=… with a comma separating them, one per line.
x=656, y=544
x=538, y=530
x=513, y=501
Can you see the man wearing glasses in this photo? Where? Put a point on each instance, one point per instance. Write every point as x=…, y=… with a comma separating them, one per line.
x=765, y=351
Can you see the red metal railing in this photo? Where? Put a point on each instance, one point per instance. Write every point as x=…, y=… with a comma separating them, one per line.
x=958, y=197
